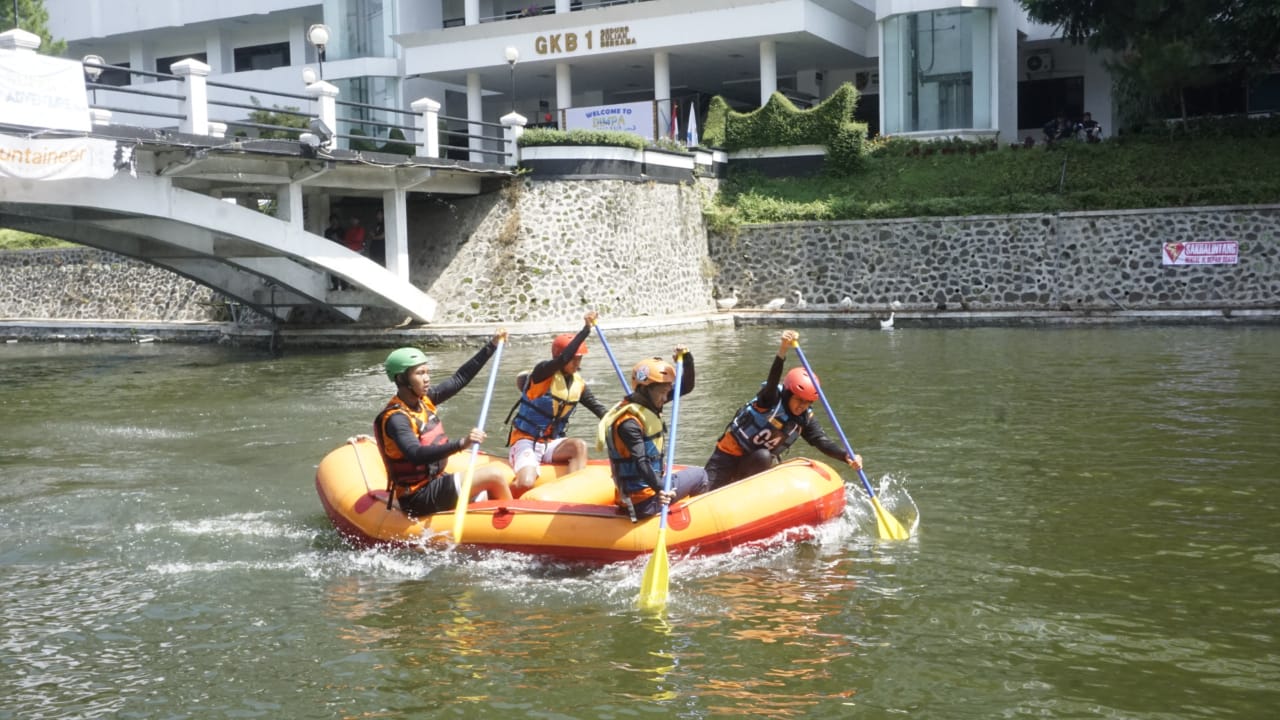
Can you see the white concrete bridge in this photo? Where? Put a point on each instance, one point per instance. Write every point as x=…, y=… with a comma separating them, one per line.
x=240, y=215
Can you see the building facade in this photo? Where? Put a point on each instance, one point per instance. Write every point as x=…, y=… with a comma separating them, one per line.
x=924, y=68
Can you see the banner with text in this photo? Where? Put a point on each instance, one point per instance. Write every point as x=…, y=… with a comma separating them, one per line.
x=636, y=117
x=56, y=159
x=42, y=92
x=1224, y=252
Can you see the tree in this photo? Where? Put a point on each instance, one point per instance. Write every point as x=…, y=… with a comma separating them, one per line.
x=1166, y=48
x=281, y=118
x=33, y=18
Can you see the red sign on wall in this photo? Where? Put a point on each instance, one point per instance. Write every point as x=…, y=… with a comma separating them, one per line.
x=1222, y=252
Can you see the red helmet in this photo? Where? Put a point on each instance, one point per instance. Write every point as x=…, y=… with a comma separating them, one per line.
x=562, y=341
x=799, y=384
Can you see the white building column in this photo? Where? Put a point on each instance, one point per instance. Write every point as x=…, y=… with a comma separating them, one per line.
x=194, y=74
x=298, y=43
x=564, y=89
x=141, y=58
x=662, y=91
x=20, y=40
x=563, y=6
x=218, y=53
x=428, y=140
x=475, y=111
x=768, y=70
x=289, y=205
x=395, y=225
x=326, y=96
x=471, y=12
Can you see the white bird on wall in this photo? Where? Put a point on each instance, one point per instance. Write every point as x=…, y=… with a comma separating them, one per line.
x=728, y=301
x=800, y=301
x=887, y=323
x=895, y=305
x=775, y=304
x=846, y=303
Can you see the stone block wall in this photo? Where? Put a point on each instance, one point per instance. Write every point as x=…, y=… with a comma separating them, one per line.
x=553, y=250
x=88, y=284
x=548, y=251
x=1078, y=261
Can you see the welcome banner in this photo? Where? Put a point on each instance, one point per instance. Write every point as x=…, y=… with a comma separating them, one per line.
x=56, y=159
x=39, y=91
x=636, y=117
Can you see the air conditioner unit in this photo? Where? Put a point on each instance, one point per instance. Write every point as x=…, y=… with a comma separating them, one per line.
x=1041, y=61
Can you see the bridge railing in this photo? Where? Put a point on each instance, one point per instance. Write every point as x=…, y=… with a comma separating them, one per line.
x=206, y=107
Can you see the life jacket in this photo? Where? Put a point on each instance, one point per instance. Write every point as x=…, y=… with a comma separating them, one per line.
x=546, y=416
x=403, y=475
x=752, y=429
x=626, y=477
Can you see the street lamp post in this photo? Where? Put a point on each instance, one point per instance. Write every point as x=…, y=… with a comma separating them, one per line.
x=513, y=56
x=93, y=70
x=318, y=35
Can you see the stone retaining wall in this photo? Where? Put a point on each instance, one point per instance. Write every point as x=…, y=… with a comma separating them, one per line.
x=1070, y=261
x=548, y=251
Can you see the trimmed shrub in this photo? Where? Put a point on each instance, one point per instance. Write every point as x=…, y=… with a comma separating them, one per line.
x=546, y=136
x=396, y=144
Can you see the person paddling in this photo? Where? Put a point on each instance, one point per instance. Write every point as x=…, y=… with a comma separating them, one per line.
x=549, y=395
x=765, y=428
x=412, y=439
x=634, y=434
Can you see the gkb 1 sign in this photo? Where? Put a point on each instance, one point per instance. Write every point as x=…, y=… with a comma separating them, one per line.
x=1222, y=252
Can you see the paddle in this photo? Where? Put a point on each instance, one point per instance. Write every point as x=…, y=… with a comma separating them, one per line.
x=653, y=584
x=608, y=351
x=464, y=492
x=888, y=525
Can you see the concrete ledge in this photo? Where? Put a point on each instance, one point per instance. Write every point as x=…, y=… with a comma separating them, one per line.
x=37, y=330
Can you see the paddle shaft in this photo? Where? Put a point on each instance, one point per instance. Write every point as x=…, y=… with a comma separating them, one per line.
x=866, y=484
x=671, y=436
x=464, y=492
x=626, y=389
x=654, y=582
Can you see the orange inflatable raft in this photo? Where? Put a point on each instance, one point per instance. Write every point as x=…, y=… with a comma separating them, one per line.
x=572, y=516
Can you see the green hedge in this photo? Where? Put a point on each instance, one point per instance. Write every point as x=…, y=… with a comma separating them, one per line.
x=909, y=179
x=545, y=136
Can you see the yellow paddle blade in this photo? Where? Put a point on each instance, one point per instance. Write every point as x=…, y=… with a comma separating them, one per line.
x=888, y=525
x=653, y=585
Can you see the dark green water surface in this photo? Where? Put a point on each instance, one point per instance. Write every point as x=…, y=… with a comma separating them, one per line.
x=1097, y=538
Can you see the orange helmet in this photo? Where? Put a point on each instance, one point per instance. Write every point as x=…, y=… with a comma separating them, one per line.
x=562, y=341
x=799, y=384
x=652, y=370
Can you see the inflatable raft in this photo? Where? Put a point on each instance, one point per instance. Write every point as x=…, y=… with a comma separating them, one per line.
x=572, y=516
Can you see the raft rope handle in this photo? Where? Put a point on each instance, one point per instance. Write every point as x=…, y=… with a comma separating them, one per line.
x=363, y=475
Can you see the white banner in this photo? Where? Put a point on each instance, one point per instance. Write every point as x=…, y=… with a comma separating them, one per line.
x=1222, y=252
x=636, y=117
x=42, y=92
x=56, y=159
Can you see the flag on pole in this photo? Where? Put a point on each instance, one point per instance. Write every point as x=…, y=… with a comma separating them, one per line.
x=691, y=129
x=675, y=122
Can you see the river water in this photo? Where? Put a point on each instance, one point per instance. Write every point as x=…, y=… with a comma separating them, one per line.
x=1097, y=511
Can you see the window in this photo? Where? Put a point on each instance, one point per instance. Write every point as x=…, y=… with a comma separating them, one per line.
x=163, y=65
x=118, y=76
x=262, y=57
x=937, y=70
x=1040, y=101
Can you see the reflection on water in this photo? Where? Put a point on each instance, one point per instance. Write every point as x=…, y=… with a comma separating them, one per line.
x=1095, y=510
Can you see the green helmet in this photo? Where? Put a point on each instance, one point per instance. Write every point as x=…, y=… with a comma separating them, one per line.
x=403, y=359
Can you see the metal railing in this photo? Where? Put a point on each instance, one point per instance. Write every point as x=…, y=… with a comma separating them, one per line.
x=363, y=127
